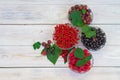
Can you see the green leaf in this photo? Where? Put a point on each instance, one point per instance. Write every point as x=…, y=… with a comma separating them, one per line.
x=53, y=56
x=84, y=61
x=70, y=50
x=83, y=11
x=90, y=34
x=76, y=18
x=57, y=49
x=79, y=53
x=36, y=45
x=85, y=28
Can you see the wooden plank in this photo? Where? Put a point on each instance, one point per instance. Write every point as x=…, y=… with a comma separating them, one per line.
x=60, y=1
x=96, y=73
x=25, y=56
x=28, y=34
x=54, y=14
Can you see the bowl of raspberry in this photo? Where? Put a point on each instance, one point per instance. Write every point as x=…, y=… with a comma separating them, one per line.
x=80, y=60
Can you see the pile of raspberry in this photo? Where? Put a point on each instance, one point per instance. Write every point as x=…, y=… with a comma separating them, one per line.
x=73, y=60
x=66, y=36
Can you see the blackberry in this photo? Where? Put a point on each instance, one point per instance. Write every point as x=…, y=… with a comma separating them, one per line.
x=86, y=17
x=96, y=42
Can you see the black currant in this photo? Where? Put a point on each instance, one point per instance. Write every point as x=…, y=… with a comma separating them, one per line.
x=96, y=42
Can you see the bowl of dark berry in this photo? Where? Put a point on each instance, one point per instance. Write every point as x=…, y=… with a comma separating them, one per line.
x=65, y=36
x=80, y=14
x=80, y=60
x=95, y=42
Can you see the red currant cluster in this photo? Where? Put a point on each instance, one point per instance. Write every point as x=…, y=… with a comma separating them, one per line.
x=66, y=36
x=73, y=60
x=46, y=46
x=86, y=13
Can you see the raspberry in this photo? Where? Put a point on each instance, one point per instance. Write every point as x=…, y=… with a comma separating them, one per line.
x=73, y=60
x=86, y=52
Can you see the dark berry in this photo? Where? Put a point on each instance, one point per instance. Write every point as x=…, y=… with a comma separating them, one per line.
x=49, y=41
x=96, y=42
x=44, y=44
x=86, y=17
x=47, y=46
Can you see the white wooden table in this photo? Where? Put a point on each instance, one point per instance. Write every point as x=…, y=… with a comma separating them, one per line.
x=22, y=22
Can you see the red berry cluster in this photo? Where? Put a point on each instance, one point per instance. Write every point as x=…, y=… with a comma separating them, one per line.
x=47, y=46
x=66, y=36
x=86, y=17
x=64, y=55
x=73, y=60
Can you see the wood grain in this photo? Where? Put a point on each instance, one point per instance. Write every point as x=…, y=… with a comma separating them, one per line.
x=28, y=34
x=54, y=14
x=23, y=22
x=25, y=56
x=96, y=73
x=60, y=1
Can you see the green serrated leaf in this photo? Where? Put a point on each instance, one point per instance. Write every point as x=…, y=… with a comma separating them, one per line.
x=52, y=57
x=83, y=11
x=85, y=28
x=57, y=49
x=76, y=18
x=79, y=53
x=90, y=34
x=36, y=45
x=84, y=61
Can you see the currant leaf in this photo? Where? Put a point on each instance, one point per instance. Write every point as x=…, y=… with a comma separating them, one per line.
x=79, y=53
x=36, y=45
x=76, y=18
x=84, y=61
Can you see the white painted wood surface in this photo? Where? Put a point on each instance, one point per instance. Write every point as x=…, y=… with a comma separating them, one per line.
x=25, y=56
x=54, y=14
x=59, y=2
x=23, y=22
x=28, y=34
x=96, y=73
